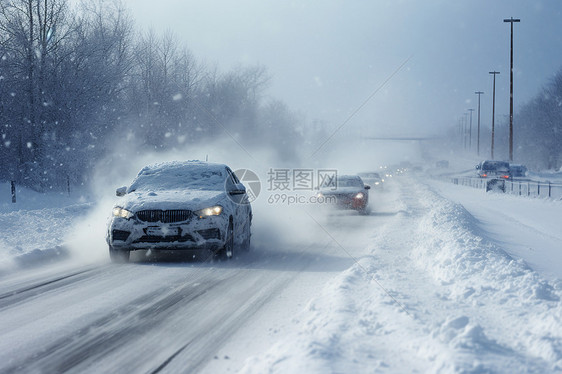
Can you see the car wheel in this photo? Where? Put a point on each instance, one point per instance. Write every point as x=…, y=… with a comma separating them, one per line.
x=248, y=238
x=365, y=211
x=248, y=235
x=119, y=255
x=228, y=249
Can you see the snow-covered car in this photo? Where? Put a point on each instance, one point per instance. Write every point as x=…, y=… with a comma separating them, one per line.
x=181, y=205
x=518, y=170
x=493, y=169
x=372, y=179
x=349, y=192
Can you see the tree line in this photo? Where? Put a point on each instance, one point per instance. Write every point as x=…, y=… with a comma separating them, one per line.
x=537, y=128
x=537, y=131
x=78, y=82
x=538, y=140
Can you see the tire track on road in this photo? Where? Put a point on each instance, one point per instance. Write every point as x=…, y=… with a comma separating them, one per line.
x=125, y=323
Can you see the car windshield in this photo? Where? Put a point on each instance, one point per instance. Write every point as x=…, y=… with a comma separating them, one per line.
x=179, y=176
x=350, y=182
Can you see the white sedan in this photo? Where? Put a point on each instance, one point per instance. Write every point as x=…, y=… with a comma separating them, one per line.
x=192, y=206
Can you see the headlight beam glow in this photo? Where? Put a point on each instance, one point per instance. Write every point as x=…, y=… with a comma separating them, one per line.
x=210, y=211
x=123, y=213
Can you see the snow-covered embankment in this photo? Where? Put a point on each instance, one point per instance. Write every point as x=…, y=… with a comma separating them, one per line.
x=435, y=294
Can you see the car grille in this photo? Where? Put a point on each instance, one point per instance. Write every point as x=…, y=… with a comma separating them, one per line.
x=164, y=216
x=164, y=239
x=343, y=198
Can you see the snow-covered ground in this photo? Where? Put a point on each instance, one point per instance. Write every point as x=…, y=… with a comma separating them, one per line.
x=439, y=278
x=34, y=226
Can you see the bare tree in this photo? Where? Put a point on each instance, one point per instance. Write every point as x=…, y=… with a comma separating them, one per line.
x=31, y=38
x=73, y=83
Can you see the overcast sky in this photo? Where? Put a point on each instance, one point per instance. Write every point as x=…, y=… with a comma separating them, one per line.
x=327, y=57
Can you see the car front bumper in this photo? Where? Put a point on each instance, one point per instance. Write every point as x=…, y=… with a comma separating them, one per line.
x=342, y=201
x=196, y=234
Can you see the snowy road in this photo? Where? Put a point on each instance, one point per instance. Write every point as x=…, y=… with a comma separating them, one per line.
x=423, y=284
x=135, y=318
x=167, y=316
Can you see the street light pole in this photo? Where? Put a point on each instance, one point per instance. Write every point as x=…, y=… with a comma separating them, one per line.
x=493, y=111
x=470, y=131
x=511, y=21
x=465, y=116
x=478, y=139
x=460, y=129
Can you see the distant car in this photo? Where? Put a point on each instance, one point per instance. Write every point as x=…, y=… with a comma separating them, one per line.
x=442, y=164
x=349, y=192
x=372, y=179
x=518, y=170
x=493, y=169
x=189, y=206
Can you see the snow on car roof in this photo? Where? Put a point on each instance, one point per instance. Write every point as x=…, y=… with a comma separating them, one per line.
x=494, y=165
x=180, y=175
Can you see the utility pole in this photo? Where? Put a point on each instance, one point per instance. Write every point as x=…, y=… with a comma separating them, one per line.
x=493, y=111
x=511, y=21
x=465, y=116
x=470, y=130
x=461, y=129
x=478, y=139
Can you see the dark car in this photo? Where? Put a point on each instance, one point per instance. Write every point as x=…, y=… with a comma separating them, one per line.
x=349, y=192
x=190, y=206
x=493, y=169
x=372, y=179
x=518, y=170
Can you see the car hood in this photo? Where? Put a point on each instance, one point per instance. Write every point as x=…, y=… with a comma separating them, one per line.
x=170, y=199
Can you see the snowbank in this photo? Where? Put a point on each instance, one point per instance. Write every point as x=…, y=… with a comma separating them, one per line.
x=434, y=295
x=34, y=227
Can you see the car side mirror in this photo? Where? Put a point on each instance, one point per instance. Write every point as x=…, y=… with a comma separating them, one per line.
x=121, y=191
x=367, y=187
x=477, y=167
x=239, y=189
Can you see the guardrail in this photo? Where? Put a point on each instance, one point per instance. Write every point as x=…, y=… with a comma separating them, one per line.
x=520, y=187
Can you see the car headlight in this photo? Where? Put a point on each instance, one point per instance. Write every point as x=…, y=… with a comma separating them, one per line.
x=360, y=195
x=211, y=211
x=123, y=213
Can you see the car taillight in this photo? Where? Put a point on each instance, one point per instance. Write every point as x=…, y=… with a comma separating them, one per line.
x=506, y=176
x=484, y=175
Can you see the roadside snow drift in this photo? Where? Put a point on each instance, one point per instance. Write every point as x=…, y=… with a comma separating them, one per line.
x=433, y=295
